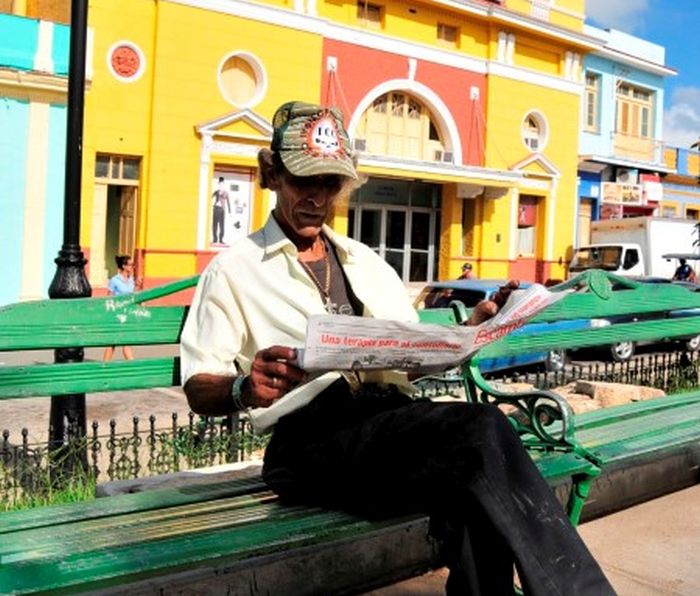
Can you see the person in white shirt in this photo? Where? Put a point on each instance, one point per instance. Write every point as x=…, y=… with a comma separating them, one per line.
x=361, y=442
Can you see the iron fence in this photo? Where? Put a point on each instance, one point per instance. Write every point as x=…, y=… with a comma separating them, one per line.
x=33, y=470
x=671, y=372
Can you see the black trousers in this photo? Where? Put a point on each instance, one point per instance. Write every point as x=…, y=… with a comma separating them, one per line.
x=381, y=453
x=217, y=224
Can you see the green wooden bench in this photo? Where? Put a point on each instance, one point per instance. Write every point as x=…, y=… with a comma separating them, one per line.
x=235, y=536
x=642, y=450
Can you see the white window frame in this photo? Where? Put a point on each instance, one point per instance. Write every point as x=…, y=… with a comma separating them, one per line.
x=592, y=96
x=535, y=139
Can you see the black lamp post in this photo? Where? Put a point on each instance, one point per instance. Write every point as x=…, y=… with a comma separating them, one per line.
x=68, y=411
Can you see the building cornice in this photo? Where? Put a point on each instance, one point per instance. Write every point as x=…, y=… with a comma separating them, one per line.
x=283, y=17
x=533, y=77
x=22, y=83
x=503, y=15
x=628, y=163
x=639, y=63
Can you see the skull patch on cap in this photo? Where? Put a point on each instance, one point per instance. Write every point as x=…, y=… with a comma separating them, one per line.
x=322, y=136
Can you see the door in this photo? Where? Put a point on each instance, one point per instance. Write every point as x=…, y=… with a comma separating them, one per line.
x=403, y=237
x=97, y=263
x=395, y=240
x=120, y=224
x=370, y=229
x=529, y=240
x=585, y=214
x=127, y=220
x=420, y=246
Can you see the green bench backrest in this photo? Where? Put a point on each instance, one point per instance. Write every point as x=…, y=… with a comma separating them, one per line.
x=90, y=322
x=599, y=300
x=87, y=322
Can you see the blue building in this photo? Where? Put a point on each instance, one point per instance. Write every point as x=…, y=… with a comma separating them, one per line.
x=33, y=97
x=621, y=149
x=681, y=187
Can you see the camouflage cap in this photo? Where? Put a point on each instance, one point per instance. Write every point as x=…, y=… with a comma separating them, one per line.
x=311, y=140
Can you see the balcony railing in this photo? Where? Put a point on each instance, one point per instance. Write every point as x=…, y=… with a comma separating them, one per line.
x=637, y=148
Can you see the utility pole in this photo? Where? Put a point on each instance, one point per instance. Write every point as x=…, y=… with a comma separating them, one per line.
x=67, y=417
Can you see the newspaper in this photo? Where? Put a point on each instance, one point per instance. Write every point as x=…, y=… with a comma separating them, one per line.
x=338, y=342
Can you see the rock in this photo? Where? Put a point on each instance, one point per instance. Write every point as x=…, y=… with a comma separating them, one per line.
x=582, y=403
x=612, y=394
x=584, y=396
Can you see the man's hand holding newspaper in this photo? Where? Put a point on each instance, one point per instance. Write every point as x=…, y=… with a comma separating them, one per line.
x=337, y=342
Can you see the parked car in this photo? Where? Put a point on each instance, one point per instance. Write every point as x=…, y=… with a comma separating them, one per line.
x=470, y=292
x=624, y=350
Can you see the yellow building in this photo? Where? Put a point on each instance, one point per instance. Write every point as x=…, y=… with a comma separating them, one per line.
x=465, y=118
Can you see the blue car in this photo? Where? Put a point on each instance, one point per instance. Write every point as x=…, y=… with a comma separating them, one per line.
x=622, y=351
x=470, y=292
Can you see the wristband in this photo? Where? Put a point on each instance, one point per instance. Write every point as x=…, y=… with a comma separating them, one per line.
x=237, y=392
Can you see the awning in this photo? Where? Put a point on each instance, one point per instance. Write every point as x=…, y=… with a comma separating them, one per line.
x=585, y=160
x=438, y=172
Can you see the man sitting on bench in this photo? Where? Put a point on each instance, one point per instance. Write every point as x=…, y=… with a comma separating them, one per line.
x=359, y=442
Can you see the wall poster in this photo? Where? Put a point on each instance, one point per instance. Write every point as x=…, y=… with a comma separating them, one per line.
x=231, y=196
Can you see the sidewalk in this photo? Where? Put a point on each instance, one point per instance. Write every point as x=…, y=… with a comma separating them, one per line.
x=652, y=549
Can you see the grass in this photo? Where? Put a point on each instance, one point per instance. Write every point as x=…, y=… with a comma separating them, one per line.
x=44, y=492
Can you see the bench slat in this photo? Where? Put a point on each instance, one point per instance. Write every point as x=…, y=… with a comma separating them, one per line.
x=649, y=434
x=125, y=504
x=110, y=553
x=88, y=377
x=119, y=563
x=639, y=298
x=587, y=420
x=87, y=324
x=642, y=423
x=582, y=338
x=647, y=446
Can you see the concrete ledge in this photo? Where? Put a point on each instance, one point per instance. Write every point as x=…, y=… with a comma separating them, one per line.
x=645, y=478
x=341, y=567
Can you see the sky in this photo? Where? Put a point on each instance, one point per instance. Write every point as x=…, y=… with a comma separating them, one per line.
x=673, y=24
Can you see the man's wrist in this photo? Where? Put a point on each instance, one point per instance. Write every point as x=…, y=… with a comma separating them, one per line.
x=237, y=389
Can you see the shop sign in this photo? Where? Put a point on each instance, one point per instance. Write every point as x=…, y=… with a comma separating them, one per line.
x=622, y=194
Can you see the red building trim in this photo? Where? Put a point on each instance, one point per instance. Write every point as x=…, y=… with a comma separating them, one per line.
x=360, y=70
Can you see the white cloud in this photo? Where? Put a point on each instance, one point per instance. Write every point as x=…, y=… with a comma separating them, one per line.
x=625, y=15
x=682, y=117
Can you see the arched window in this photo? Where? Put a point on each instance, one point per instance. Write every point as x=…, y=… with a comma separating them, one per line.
x=534, y=131
x=400, y=125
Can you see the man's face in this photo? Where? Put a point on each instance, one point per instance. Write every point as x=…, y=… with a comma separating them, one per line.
x=304, y=202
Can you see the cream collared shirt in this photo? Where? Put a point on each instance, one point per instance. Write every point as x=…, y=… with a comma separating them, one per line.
x=256, y=294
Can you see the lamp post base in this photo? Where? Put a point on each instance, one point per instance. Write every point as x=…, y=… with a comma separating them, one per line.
x=68, y=416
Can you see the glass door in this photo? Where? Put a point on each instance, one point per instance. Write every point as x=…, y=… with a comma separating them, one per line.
x=395, y=240
x=403, y=237
x=421, y=246
x=370, y=232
